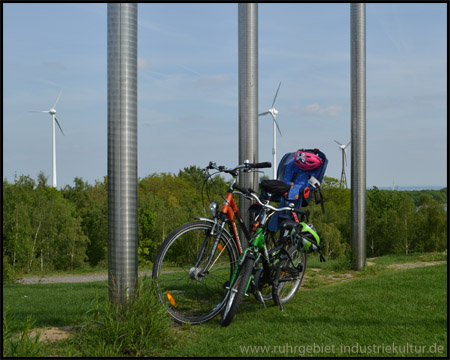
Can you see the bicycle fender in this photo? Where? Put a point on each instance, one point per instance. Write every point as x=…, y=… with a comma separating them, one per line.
x=213, y=222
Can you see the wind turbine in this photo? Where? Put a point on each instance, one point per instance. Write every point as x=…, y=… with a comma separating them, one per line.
x=272, y=111
x=52, y=112
x=344, y=162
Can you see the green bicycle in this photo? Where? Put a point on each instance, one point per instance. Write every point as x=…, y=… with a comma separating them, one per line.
x=282, y=268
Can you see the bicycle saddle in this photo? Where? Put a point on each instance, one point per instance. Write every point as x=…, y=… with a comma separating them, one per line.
x=275, y=187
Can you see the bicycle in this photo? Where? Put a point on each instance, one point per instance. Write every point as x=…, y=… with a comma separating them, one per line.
x=194, y=264
x=282, y=268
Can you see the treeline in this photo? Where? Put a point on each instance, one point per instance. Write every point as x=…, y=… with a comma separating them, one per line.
x=396, y=221
x=46, y=229
x=419, y=195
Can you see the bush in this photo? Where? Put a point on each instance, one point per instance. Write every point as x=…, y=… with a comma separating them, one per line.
x=9, y=275
x=139, y=328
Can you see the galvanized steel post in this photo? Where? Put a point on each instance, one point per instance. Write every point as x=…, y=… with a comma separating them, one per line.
x=248, y=97
x=358, y=130
x=122, y=151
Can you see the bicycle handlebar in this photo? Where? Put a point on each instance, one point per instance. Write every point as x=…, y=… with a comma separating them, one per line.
x=261, y=165
x=247, y=166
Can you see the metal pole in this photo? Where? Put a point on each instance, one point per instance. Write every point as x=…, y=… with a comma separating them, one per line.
x=248, y=98
x=274, y=151
x=54, y=153
x=122, y=151
x=358, y=129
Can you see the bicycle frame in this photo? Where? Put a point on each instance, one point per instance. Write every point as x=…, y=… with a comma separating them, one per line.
x=229, y=209
x=258, y=250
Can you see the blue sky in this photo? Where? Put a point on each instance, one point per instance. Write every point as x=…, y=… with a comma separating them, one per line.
x=188, y=87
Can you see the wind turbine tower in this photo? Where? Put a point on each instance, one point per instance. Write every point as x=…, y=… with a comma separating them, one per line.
x=272, y=111
x=344, y=163
x=52, y=112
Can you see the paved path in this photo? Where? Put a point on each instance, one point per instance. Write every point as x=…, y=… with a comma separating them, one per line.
x=104, y=277
x=70, y=278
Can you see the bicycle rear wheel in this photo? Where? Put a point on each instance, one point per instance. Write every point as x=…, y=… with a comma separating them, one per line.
x=186, y=293
x=290, y=281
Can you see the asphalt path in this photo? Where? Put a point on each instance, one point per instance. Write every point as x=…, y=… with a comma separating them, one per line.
x=104, y=276
x=70, y=278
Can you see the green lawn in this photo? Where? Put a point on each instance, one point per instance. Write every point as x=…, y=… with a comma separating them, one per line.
x=380, y=312
x=405, y=308
x=52, y=304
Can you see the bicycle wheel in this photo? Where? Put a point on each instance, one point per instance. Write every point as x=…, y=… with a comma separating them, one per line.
x=237, y=291
x=288, y=288
x=188, y=295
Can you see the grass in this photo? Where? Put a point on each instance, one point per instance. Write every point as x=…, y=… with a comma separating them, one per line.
x=379, y=307
x=103, y=329
x=398, y=307
x=52, y=304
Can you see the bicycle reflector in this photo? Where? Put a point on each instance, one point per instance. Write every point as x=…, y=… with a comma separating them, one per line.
x=171, y=299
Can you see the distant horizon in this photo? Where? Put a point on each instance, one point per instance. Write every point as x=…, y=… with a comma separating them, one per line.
x=396, y=187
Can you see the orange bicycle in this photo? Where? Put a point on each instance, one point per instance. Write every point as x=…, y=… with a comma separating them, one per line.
x=194, y=265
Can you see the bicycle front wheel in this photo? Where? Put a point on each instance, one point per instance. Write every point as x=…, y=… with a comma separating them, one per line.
x=237, y=291
x=188, y=294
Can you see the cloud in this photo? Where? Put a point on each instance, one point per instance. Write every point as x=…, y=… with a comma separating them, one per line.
x=142, y=63
x=214, y=80
x=316, y=109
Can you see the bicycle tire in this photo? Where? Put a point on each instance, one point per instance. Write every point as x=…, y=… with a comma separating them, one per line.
x=288, y=289
x=237, y=291
x=186, y=296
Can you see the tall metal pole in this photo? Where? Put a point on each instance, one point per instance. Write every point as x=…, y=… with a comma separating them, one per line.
x=54, y=153
x=248, y=97
x=122, y=151
x=358, y=130
x=274, y=151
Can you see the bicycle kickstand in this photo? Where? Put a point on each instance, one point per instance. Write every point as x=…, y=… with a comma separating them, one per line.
x=275, y=296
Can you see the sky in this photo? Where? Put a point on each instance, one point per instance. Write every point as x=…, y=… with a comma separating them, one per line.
x=188, y=87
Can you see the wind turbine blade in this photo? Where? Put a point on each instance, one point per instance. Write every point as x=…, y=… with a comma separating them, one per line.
x=57, y=99
x=57, y=123
x=264, y=113
x=345, y=157
x=37, y=111
x=276, y=95
x=277, y=125
x=337, y=142
x=348, y=143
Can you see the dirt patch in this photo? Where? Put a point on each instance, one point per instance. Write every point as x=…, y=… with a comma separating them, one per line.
x=53, y=333
x=323, y=279
x=415, y=264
